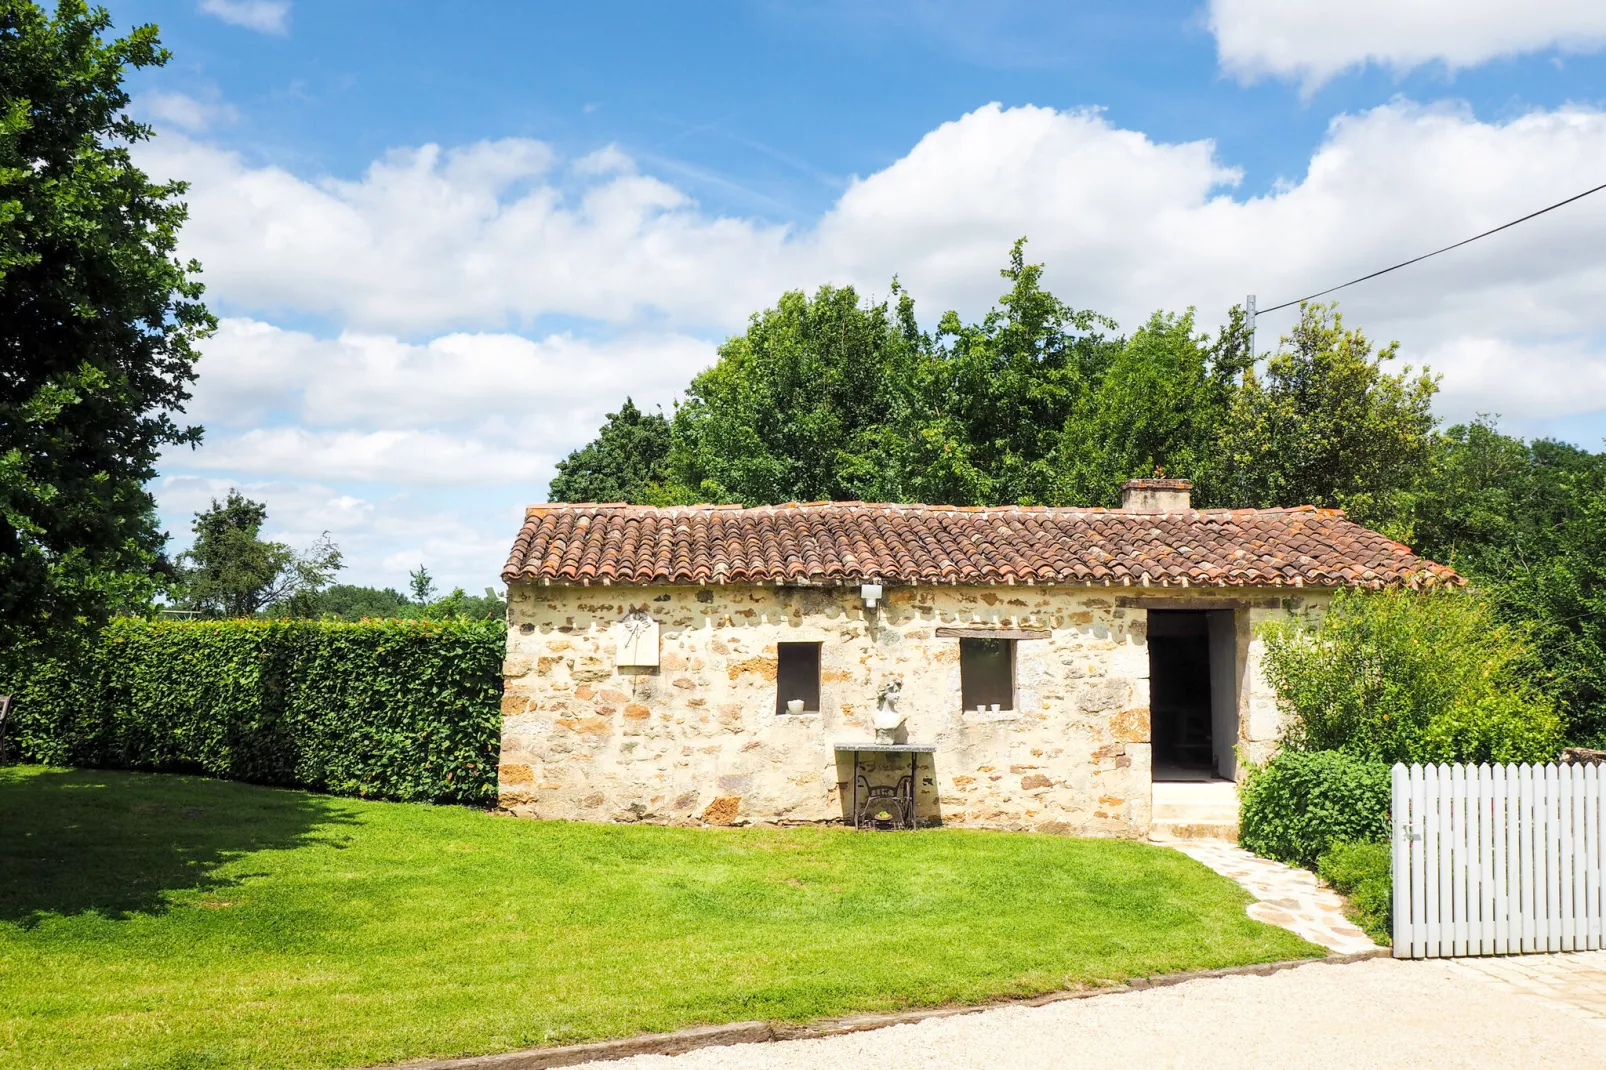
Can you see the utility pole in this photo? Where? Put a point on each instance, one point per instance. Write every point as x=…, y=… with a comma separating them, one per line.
x=1249, y=315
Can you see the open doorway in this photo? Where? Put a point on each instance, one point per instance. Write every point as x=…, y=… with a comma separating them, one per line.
x=1193, y=694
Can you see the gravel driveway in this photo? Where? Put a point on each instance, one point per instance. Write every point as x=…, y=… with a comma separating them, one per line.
x=1375, y=1013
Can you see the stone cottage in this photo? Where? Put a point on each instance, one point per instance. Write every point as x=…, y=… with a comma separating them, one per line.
x=710, y=664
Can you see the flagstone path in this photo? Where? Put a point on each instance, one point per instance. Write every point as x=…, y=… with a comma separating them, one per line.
x=1285, y=896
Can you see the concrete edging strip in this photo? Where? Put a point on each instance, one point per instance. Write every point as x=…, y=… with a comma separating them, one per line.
x=712, y=1036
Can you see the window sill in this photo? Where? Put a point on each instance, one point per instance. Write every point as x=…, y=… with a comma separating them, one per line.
x=982, y=716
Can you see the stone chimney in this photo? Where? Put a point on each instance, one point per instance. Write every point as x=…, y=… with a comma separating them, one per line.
x=1155, y=495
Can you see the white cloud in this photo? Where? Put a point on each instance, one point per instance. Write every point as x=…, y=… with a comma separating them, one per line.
x=264, y=16
x=1312, y=40
x=299, y=512
x=189, y=114
x=543, y=391
x=382, y=538
x=608, y=160
x=392, y=456
x=1556, y=379
x=475, y=236
x=1108, y=210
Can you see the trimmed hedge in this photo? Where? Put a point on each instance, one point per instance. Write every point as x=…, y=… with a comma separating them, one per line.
x=1300, y=803
x=406, y=710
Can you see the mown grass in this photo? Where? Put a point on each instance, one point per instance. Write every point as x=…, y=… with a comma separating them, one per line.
x=162, y=921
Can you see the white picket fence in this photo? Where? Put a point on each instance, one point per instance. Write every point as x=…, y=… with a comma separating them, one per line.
x=1500, y=860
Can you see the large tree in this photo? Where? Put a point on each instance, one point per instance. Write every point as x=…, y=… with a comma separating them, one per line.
x=98, y=321
x=1005, y=387
x=794, y=406
x=1325, y=423
x=1159, y=406
x=231, y=571
x=628, y=461
x=1527, y=522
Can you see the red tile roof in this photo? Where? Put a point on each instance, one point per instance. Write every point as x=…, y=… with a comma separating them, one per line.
x=829, y=543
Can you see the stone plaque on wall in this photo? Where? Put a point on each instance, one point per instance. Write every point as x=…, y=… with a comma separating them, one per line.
x=636, y=639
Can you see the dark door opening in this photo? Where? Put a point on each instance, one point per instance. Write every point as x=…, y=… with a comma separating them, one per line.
x=1180, y=699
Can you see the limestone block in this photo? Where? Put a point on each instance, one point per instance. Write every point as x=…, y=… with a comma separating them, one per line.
x=1131, y=725
x=723, y=810
x=518, y=773
x=1265, y=719
x=1258, y=752
x=1129, y=661
x=1103, y=695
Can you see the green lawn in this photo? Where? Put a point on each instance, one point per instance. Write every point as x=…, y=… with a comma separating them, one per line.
x=160, y=921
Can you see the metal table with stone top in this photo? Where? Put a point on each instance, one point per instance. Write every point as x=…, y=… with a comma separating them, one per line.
x=885, y=806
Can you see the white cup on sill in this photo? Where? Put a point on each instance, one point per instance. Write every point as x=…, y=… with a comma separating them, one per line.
x=794, y=706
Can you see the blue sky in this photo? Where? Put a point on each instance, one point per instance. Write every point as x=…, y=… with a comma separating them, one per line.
x=445, y=244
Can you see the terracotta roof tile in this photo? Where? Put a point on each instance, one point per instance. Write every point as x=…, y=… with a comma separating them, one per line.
x=830, y=543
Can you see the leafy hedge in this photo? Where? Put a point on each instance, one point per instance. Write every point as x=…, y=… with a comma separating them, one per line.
x=1409, y=676
x=406, y=710
x=1300, y=803
x=1364, y=873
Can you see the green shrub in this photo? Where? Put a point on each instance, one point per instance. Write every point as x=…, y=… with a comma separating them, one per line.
x=405, y=710
x=1302, y=802
x=1406, y=676
x=1364, y=873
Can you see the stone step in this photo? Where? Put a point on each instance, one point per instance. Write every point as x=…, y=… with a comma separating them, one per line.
x=1173, y=831
x=1194, y=810
x=1195, y=818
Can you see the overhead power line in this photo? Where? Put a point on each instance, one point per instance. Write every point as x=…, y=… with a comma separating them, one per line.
x=1436, y=252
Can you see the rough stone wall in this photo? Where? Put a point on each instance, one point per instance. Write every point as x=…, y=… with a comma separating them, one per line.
x=698, y=739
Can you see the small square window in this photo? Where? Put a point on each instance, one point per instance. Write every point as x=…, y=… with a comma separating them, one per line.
x=797, y=676
x=987, y=673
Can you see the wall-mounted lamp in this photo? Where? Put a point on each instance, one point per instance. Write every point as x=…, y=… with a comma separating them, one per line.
x=871, y=593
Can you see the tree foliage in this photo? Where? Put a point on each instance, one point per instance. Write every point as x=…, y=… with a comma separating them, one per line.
x=1162, y=404
x=1325, y=424
x=626, y=462
x=1526, y=521
x=836, y=397
x=344, y=601
x=797, y=406
x=1006, y=388
x=1406, y=676
x=98, y=322
x=421, y=584
x=347, y=601
x=230, y=571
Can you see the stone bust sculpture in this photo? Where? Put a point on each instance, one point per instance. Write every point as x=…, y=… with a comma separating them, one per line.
x=887, y=716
